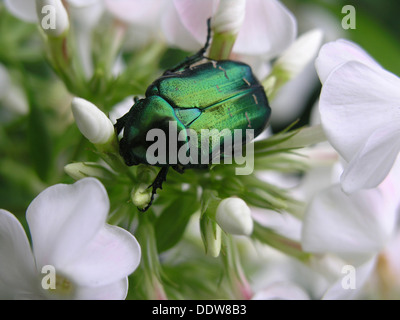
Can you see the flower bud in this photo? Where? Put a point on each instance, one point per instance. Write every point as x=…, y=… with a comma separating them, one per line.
x=80, y=170
x=92, y=122
x=300, y=53
x=234, y=217
x=141, y=195
x=226, y=24
x=53, y=17
x=211, y=235
x=229, y=16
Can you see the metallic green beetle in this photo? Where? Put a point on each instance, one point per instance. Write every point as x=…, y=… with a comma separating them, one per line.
x=211, y=95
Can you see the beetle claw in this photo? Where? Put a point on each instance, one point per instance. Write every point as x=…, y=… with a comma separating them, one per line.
x=157, y=184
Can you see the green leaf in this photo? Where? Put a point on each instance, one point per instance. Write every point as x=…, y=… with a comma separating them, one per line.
x=172, y=222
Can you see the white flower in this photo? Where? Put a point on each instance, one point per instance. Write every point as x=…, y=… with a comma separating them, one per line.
x=54, y=25
x=300, y=53
x=145, y=13
x=359, y=106
x=84, y=15
x=26, y=9
x=92, y=122
x=281, y=291
x=234, y=217
x=356, y=227
x=69, y=233
x=268, y=27
x=22, y=9
x=229, y=16
x=293, y=77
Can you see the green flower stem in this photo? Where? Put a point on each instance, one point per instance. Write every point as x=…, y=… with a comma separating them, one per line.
x=150, y=263
x=61, y=59
x=209, y=203
x=240, y=287
x=110, y=154
x=221, y=46
x=275, y=80
x=295, y=140
x=306, y=137
x=209, y=229
x=110, y=48
x=285, y=245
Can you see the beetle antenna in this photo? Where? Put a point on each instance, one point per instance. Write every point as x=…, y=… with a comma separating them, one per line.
x=157, y=184
x=197, y=56
x=203, y=50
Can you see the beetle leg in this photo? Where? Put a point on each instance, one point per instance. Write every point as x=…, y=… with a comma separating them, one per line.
x=197, y=56
x=120, y=124
x=178, y=168
x=157, y=184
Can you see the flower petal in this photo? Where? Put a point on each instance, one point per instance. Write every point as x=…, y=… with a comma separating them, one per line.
x=281, y=291
x=114, y=291
x=355, y=226
x=63, y=219
x=374, y=161
x=362, y=273
x=268, y=28
x=17, y=266
x=333, y=54
x=193, y=16
x=109, y=257
x=22, y=9
x=82, y=3
x=283, y=223
x=389, y=267
x=355, y=101
x=176, y=34
x=138, y=12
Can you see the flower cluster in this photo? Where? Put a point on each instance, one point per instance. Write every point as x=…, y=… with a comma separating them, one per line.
x=317, y=219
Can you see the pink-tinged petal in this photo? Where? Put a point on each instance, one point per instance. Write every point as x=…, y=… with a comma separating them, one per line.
x=22, y=9
x=113, y=291
x=389, y=268
x=193, y=15
x=281, y=291
x=63, y=219
x=17, y=266
x=268, y=28
x=175, y=33
x=373, y=162
x=355, y=101
x=340, y=290
x=137, y=12
x=359, y=224
x=333, y=54
x=109, y=257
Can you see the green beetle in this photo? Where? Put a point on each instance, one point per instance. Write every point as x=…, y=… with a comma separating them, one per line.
x=194, y=96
